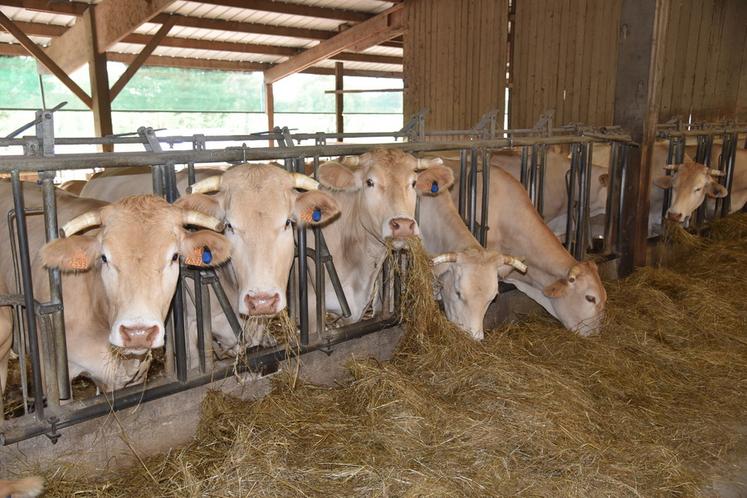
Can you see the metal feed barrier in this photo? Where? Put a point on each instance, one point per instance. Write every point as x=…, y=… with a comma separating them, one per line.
x=49, y=403
x=676, y=134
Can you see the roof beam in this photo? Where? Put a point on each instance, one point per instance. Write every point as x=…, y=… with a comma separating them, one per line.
x=294, y=9
x=382, y=27
x=139, y=60
x=115, y=19
x=44, y=59
x=69, y=8
x=239, y=66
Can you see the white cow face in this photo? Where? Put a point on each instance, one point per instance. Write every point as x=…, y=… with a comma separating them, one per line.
x=260, y=205
x=468, y=283
x=137, y=251
x=690, y=185
x=579, y=299
x=386, y=184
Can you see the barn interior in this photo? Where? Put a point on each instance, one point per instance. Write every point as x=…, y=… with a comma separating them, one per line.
x=552, y=304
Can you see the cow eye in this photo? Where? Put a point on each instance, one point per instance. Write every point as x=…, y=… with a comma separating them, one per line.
x=591, y=299
x=699, y=189
x=174, y=257
x=459, y=294
x=287, y=223
x=369, y=182
x=413, y=183
x=103, y=259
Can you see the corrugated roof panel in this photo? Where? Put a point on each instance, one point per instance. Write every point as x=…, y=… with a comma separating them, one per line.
x=8, y=38
x=379, y=50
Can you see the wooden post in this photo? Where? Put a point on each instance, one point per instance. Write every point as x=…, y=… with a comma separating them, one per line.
x=643, y=29
x=270, y=109
x=99, y=77
x=339, y=99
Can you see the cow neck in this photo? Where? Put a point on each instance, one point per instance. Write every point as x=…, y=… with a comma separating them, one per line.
x=442, y=228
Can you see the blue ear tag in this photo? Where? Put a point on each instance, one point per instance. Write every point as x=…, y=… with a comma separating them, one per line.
x=316, y=215
x=434, y=187
x=207, y=256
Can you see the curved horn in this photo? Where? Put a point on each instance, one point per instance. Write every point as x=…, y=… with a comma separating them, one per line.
x=447, y=257
x=304, y=182
x=198, y=219
x=574, y=272
x=427, y=162
x=80, y=223
x=351, y=160
x=672, y=167
x=209, y=184
x=515, y=262
x=716, y=172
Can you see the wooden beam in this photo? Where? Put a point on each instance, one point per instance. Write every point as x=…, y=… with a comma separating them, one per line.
x=643, y=28
x=69, y=8
x=246, y=27
x=270, y=109
x=43, y=59
x=115, y=19
x=99, y=77
x=382, y=27
x=295, y=9
x=239, y=66
x=39, y=29
x=140, y=59
x=339, y=99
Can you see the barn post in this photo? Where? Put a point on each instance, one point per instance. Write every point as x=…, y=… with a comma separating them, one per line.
x=270, y=110
x=643, y=28
x=99, y=77
x=339, y=99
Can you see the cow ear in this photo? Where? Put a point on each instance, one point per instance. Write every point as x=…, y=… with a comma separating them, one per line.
x=716, y=190
x=335, y=176
x=205, y=248
x=604, y=179
x=315, y=208
x=203, y=203
x=664, y=182
x=76, y=253
x=557, y=288
x=434, y=180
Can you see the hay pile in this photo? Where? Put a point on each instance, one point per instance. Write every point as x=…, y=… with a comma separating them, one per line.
x=645, y=409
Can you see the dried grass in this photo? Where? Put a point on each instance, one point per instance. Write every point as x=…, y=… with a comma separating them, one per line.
x=643, y=410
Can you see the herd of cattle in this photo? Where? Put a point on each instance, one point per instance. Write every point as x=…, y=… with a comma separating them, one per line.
x=120, y=247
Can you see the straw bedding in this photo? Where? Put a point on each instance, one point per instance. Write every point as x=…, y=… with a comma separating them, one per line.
x=645, y=409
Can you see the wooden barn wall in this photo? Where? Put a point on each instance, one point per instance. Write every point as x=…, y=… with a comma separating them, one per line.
x=455, y=60
x=565, y=58
x=705, y=70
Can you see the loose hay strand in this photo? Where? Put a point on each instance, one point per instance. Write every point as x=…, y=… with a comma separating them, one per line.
x=646, y=409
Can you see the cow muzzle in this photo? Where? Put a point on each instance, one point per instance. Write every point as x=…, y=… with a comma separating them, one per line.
x=400, y=228
x=674, y=216
x=140, y=335
x=262, y=303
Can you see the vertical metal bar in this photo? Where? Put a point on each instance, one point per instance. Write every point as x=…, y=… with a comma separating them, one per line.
x=28, y=293
x=319, y=283
x=55, y=287
x=539, y=178
x=207, y=321
x=472, y=191
x=611, y=218
x=334, y=278
x=200, y=321
x=731, y=158
x=485, y=198
x=579, y=249
x=667, y=199
x=303, y=290
x=572, y=173
x=463, y=184
x=623, y=180
x=524, y=173
x=531, y=178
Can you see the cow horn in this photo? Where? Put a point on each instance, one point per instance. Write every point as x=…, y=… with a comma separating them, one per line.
x=80, y=223
x=715, y=172
x=515, y=262
x=209, y=184
x=672, y=167
x=203, y=220
x=351, y=160
x=447, y=257
x=427, y=162
x=304, y=182
x=573, y=273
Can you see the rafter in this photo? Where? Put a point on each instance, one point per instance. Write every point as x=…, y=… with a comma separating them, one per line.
x=382, y=27
x=294, y=9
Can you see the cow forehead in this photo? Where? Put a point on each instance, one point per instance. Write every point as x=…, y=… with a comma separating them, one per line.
x=140, y=225
x=690, y=173
x=257, y=188
x=391, y=163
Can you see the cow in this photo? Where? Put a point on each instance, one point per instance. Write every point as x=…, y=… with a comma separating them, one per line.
x=570, y=290
x=6, y=341
x=118, y=281
x=692, y=183
x=259, y=204
x=377, y=200
x=28, y=487
x=73, y=186
x=467, y=273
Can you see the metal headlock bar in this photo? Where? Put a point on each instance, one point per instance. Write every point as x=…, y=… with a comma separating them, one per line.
x=43, y=413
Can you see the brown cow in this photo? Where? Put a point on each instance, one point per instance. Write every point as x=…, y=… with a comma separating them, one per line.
x=28, y=487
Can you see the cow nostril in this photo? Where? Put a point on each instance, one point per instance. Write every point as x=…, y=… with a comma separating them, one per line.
x=138, y=335
x=394, y=225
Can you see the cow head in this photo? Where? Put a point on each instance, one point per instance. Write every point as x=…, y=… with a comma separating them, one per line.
x=260, y=204
x=137, y=252
x=579, y=298
x=690, y=184
x=386, y=183
x=468, y=284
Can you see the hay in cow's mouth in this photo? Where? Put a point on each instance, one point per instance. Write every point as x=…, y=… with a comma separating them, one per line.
x=644, y=409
